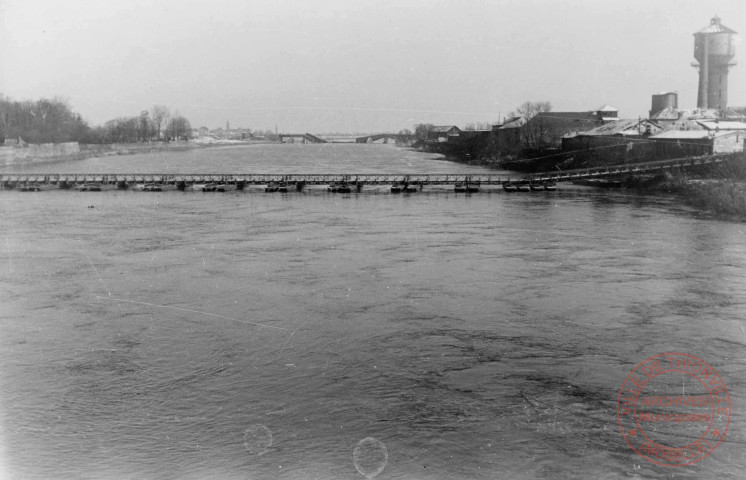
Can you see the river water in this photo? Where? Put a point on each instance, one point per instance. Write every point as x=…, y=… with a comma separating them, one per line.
x=245, y=335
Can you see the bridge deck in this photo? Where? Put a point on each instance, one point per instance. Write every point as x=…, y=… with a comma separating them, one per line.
x=305, y=136
x=379, y=136
x=324, y=179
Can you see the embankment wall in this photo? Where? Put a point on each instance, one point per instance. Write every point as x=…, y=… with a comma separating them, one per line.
x=37, y=152
x=48, y=152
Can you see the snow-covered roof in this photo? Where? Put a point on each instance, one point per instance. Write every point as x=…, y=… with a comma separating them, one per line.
x=444, y=128
x=627, y=126
x=514, y=122
x=668, y=113
x=723, y=125
x=689, y=134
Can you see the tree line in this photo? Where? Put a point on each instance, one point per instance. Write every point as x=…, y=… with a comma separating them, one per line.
x=41, y=121
x=54, y=121
x=158, y=124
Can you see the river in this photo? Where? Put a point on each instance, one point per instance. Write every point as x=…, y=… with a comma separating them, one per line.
x=436, y=335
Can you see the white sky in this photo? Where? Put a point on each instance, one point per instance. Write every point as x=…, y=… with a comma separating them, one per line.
x=353, y=66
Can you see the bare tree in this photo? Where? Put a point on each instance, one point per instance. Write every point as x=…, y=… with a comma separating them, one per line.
x=178, y=128
x=532, y=132
x=144, y=126
x=422, y=132
x=529, y=110
x=159, y=116
x=41, y=121
x=122, y=129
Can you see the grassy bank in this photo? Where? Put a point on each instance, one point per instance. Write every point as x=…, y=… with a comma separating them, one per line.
x=723, y=198
x=718, y=189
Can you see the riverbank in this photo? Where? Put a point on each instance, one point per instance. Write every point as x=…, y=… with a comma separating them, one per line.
x=723, y=198
x=718, y=189
x=86, y=151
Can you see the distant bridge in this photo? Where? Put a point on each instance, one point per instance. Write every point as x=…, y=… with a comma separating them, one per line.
x=307, y=137
x=68, y=180
x=385, y=137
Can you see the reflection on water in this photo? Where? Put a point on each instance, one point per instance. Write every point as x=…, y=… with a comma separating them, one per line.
x=248, y=335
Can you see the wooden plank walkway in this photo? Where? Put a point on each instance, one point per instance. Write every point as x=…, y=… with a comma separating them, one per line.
x=13, y=179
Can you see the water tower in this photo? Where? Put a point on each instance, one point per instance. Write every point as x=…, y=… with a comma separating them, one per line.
x=714, y=49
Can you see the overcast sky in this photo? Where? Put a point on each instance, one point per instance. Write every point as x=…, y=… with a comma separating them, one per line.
x=355, y=66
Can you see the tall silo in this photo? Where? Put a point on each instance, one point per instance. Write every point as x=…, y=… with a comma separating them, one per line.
x=663, y=101
x=714, y=49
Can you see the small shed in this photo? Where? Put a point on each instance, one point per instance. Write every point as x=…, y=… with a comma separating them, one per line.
x=442, y=133
x=607, y=113
x=14, y=142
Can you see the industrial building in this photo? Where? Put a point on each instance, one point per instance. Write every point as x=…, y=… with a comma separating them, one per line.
x=677, y=143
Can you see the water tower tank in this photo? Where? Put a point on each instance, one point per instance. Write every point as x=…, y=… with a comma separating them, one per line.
x=714, y=49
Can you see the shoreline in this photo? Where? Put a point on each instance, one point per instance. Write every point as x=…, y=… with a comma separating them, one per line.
x=724, y=198
x=115, y=149
x=719, y=190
